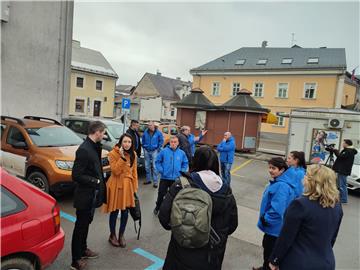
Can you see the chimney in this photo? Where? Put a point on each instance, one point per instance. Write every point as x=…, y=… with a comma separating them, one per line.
x=264, y=44
x=76, y=44
x=158, y=72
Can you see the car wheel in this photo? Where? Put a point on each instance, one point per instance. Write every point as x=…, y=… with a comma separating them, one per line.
x=17, y=263
x=39, y=180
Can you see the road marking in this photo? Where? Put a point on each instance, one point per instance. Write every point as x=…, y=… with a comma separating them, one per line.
x=158, y=263
x=241, y=166
x=67, y=216
x=238, y=175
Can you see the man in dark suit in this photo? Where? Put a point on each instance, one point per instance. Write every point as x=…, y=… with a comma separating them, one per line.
x=90, y=192
x=133, y=131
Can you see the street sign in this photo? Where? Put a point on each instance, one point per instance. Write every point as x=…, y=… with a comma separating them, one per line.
x=125, y=104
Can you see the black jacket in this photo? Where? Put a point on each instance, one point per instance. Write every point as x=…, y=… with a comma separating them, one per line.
x=86, y=171
x=224, y=220
x=344, y=160
x=136, y=140
x=308, y=236
x=185, y=145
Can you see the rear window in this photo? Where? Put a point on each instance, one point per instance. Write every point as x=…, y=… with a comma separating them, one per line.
x=173, y=131
x=53, y=136
x=10, y=204
x=78, y=126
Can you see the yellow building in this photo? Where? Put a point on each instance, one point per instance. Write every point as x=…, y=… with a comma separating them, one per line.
x=280, y=79
x=93, y=81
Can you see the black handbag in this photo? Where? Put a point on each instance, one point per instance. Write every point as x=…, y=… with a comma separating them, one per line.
x=135, y=213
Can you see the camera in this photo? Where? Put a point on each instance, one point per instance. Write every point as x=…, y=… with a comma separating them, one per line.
x=330, y=147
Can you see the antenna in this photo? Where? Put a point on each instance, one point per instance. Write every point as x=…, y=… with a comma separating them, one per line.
x=292, y=39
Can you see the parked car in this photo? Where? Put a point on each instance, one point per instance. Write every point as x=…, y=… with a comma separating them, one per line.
x=31, y=236
x=42, y=151
x=114, y=130
x=353, y=181
x=166, y=129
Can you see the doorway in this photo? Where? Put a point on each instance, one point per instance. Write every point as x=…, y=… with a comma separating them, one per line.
x=97, y=108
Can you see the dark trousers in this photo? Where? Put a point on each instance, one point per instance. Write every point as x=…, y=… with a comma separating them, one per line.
x=80, y=233
x=268, y=244
x=123, y=221
x=163, y=189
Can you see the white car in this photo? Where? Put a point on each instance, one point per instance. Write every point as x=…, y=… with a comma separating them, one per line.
x=353, y=181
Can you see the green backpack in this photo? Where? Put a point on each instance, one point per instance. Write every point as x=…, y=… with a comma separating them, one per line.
x=190, y=218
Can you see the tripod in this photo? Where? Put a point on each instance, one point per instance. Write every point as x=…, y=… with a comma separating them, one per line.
x=330, y=160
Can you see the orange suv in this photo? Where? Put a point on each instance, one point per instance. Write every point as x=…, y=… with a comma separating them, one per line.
x=42, y=151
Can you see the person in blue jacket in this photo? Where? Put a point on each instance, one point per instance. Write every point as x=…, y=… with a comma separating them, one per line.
x=311, y=225
x=296, y=161
x=195, y=140
x=170, y=163
x=276, y=198
x=152, y=142
x=227, y=152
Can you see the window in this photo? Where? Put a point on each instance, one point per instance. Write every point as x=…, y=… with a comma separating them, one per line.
x=172, y=112
x=79, y=82
x=173, y=131
x=80, y=127
x=200, y=119
x=281, y=120
x=282, y=90
x=99, y=85
x=286, y=61
x=3, y=127
x=80, y=105
x=15, y=136
x=235, y=89
x=53, y=136
x=261, y=62
x=313, y=60
x=259, y=90
x=240, y=62
x=165, y=130
x=10, y=204
x=216, y=89
x=310, y=91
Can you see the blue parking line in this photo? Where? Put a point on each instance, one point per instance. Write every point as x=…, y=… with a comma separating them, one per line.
x=67, y=216
x=158, y=263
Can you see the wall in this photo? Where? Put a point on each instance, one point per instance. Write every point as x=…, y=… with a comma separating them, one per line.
x=166, y=110
x=145, y=88
x=89, y=91
x=349, y=94
x=325, y=93
x=150, y=109
x=35, y=59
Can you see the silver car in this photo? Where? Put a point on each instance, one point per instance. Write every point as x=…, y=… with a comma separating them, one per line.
x=353, y=181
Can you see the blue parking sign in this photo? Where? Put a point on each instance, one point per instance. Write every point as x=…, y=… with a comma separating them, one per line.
x=125, y=104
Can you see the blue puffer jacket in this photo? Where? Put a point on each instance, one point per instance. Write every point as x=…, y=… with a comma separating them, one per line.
x=152, y=142
x=276, y=198
x=170, y=163
x=227, y=150
x=298, y=180
x=191, y=139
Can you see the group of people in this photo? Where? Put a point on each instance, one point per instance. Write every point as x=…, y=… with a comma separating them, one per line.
x=295, y=205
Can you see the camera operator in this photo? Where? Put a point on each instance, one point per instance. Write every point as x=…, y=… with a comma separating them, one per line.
x=343, y=165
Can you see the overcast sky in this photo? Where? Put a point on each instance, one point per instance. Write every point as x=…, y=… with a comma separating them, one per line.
x=174, y=37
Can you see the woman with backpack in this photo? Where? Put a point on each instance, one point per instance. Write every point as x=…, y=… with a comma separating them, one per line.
x=296, y=161
x=121, y=187
x=199, y=199
x=278, y=194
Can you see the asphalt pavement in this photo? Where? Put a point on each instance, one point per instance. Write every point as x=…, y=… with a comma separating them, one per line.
x=249, y=177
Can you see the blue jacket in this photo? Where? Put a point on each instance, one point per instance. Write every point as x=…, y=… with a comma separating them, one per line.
x=276, y=198
x=170, y=163
x=191, y=139
x=227, y=150
x=298, y=180
x=154, y=142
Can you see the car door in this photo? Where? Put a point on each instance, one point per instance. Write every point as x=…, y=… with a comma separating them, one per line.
x=13, y=158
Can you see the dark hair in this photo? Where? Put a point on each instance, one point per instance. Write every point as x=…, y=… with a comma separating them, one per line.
x=300, y=156
x=134, y=122
x=348, y=142
x=205, y=158
x=95, y=126
x=278, y=162
x=131, y=151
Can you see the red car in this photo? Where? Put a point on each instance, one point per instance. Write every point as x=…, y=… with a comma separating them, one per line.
x=31, y=236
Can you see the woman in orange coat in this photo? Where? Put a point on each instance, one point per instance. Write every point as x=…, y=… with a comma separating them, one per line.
x=121, y=186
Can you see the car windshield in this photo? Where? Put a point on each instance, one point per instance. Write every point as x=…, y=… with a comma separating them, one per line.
x=116, y=130
x=53, y=136
x=357, y=158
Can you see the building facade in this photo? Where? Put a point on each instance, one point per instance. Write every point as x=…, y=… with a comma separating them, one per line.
x=35, y=58
x=280, y=79
x=93, y=81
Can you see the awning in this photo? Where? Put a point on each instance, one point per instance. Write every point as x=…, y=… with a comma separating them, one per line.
x=269, y=118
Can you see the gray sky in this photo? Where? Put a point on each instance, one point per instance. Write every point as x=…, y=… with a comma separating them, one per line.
x=175, y=37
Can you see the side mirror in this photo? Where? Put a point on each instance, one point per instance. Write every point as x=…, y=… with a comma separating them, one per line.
x=106, y=138
x=19, y=145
